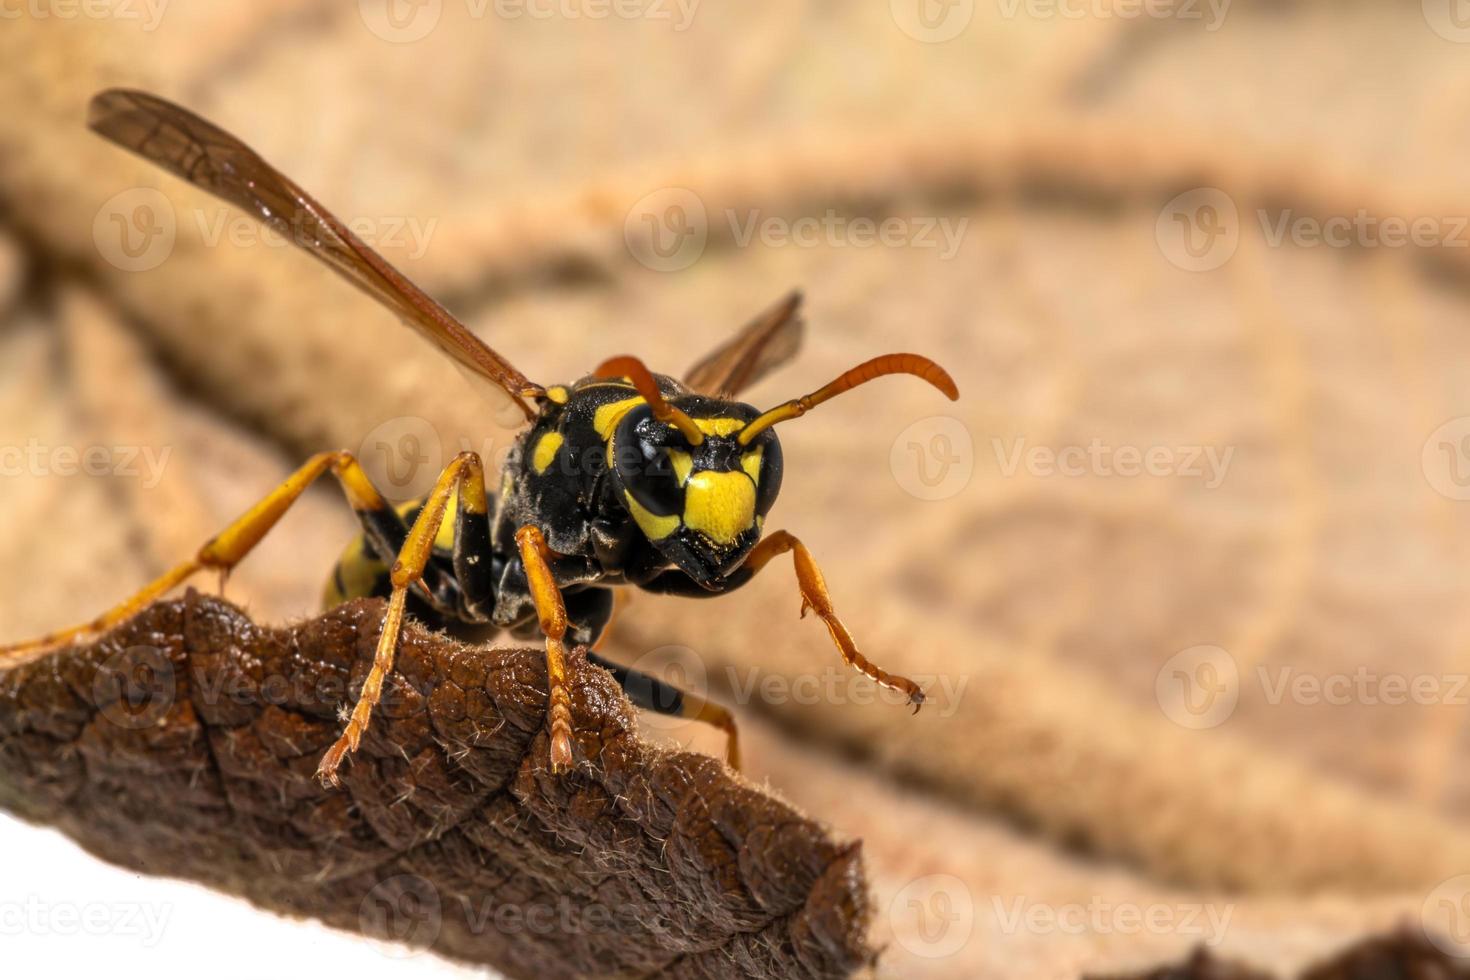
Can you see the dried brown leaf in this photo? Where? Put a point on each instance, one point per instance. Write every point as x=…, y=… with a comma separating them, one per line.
x=185, y=742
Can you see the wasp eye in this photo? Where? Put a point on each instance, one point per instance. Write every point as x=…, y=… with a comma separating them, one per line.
x=641, y=448
x=770, y=468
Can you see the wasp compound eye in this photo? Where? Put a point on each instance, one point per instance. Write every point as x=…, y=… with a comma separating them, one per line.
x=644, y=455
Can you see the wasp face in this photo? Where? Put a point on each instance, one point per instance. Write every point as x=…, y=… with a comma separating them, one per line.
x=701, y=505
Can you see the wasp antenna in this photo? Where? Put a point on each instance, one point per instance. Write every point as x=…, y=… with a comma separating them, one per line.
x=637, y=372
x=915, y=364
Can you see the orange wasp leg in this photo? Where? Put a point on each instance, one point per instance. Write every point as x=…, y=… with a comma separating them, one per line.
x=222, y=552
x=465, y=475
x=552, y=613
x=814, y=596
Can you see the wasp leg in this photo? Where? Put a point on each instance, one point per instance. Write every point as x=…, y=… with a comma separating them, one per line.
x=551, y=611
x=228, y=548
x=652, y=694
x=814, y=596
x=466, y=476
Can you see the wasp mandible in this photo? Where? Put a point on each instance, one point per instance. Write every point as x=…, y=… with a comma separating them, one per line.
x=624, y=477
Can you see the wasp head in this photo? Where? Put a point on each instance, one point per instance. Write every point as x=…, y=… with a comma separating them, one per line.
x=699, y=474
x=700, y=503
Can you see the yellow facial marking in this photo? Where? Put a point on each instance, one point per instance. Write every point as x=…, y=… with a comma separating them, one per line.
x=606, y=418
x=546, y=448
x=719, y=427
x=683, y=463
x=652, y=525
x=557, y=394
x=719, y=505
x=751, y=464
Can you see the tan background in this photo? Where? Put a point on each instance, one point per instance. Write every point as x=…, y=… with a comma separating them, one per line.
x=1048, y=604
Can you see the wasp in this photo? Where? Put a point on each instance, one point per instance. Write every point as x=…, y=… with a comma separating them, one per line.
x=625, y=477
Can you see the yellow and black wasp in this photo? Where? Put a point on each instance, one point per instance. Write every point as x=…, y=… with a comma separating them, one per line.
x=624, y=477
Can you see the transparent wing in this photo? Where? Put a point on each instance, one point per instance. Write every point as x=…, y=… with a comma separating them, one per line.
x=207, y=156
x=761, y=346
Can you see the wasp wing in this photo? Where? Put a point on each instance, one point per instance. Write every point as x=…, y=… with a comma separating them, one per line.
x=761, y=346
x=207, y=156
